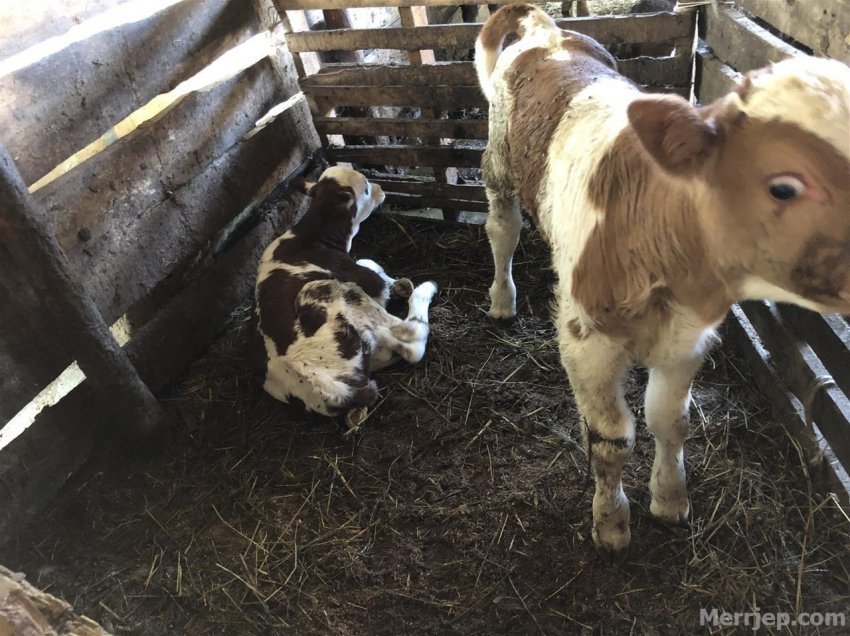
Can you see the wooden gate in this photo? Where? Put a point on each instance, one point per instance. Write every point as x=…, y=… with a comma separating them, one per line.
x=411, y=64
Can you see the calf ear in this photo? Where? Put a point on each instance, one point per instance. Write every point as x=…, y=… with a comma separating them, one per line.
x=303, y=186
x=673, y=132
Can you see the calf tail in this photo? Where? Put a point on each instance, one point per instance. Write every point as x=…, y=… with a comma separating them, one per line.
x=512, y=18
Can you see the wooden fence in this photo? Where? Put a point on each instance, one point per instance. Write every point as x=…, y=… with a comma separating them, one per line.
x=132, y=131
x=449, y=132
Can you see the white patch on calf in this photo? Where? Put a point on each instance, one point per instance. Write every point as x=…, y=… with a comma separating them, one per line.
x=813, y=93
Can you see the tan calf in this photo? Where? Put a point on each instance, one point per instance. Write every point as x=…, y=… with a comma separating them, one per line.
x=660, y=216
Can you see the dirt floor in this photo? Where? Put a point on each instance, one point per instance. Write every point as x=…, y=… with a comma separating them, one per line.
x=462, y=507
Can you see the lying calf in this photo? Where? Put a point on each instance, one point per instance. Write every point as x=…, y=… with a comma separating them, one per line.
x=320, y=323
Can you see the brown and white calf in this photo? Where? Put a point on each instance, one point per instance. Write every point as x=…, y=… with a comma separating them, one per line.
x=320, y=323
x=660, y=216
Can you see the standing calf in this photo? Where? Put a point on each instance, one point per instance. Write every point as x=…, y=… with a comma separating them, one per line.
x=660, y=216
x=320, y=323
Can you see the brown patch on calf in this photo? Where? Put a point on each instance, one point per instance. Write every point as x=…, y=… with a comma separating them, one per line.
x=646, y=252
x=823, y=269
x=673, y=132
x=311, y=318
x=348, y=341
x=276, y=296
x=257, y=356
x=542, y=88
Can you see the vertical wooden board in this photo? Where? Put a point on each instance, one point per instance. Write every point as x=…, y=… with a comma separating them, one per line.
x=821, y=25
x=151, y=201
x=28, y=23
x=53, y=108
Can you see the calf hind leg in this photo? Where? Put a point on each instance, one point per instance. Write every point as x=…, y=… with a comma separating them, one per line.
x=503, y=226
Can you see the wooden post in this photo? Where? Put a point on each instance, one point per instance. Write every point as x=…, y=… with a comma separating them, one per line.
x=418, y=16
x=73, y=321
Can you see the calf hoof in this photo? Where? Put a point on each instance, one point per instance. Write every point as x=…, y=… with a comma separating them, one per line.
x=612, y=539
x=427, y=289
x=401, y=289
x=354, y=419
x=673, y=511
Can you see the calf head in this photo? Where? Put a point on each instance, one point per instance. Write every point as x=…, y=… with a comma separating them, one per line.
x=769, y=165
x=342, y=199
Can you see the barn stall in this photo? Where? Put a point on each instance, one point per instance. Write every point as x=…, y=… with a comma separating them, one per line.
x=464, y=504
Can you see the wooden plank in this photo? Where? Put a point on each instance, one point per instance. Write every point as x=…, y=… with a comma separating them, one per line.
x=149, y=202
x=673, y=70
x=801, y=369
x=428, y=188
x=828, y=335
x=399, y=127
x=411, y=201
x=408, y=156
x=714, y=79
x=53, y=108
x=354, y=4
x=741, y=43
x=609, y=30
x=821, y=25
x=424, y=97
x=75, y=326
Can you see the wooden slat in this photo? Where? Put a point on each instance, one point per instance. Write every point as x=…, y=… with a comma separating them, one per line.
x=741, y=43
x=398, y=127
x=821, y=25
x=801, y=368
x=440, y=73
x=714, y=79
x=353, y=4
x=427, y=97
x=411, y=201
x=432, y=189
x=53, y=108
x=408, y=156
x=150, y=201
x=673, y=70
x=829, y=337
x=609, y=30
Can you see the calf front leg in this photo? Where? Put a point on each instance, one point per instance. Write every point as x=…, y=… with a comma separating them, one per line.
x=378, y=284
x=667, y=408
x=503, y=226
x=406, y=339
x=596, y=366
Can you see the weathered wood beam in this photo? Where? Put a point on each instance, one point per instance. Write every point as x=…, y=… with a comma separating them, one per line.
x=410, y=201
x=672, y=70
x=425, y=187
x=821, y=25
x=609, y=30
x=408, y=156
x=741, y=43
x=400, y=127
x=77, y=326
x=400, y=95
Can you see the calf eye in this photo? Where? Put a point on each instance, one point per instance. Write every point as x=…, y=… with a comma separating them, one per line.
x=785, y=187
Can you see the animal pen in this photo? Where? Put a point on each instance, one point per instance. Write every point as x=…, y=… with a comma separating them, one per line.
x=149, y=150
